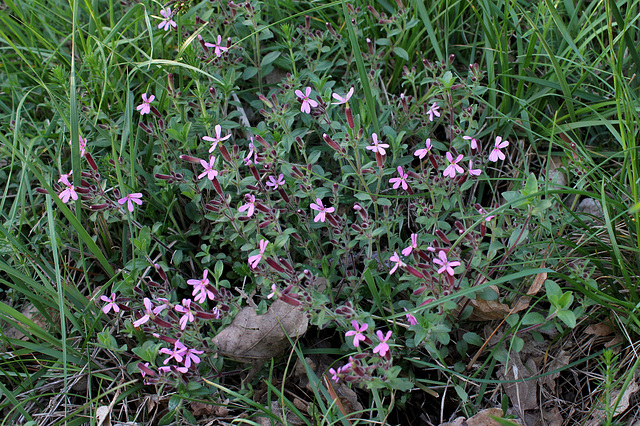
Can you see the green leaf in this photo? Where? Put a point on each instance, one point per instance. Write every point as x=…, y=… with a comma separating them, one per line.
x=568, y=318
x=473, y=338
x=518, y=236
x=517, y=343
x=400, y=52
x=269, y=58
x=552, y=288
x=531, y=187
x=532, y=318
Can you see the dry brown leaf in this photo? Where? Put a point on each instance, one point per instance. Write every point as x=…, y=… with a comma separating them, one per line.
x=598, y=330
x=199, y=409
x=523, y=393
x=558, y=362
x=483, y=418
x=599, y=415
x=103, y=415
x=252, y=337
x=538, y=282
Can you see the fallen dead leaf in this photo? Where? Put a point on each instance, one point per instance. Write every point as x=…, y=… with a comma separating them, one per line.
x=253, y=337
x=561, y=360
x=199, y=409
x=598, y=330
x=103, y=415
x=523, y=393
x=599, y=415
x=483, y=418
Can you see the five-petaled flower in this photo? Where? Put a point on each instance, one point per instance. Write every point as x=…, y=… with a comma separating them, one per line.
x=377, y=147
x=185, y=309
x=400, y=180
x=148, y=311
x=275, y=183
x=414, y=245
x=410, y=318
x=200, y=290
x=433, y=111
x=307, y=103
x=252, y=152
x=495, y=152
x=217, y=46
x=209, y=171
x=145, y=106
x=318, y=206
x=421, y=153
x=83, y=145
x=68, y=192
x=472, y=141
x=383, y=346
x=255, y=259
x=340, y=99
x=130, y=199
x=111, y=304
x=357, y=332
x=218, y=138
x=399, y=263
x=472, y=171
x=167, y=22
x=445, y=264
x=191, y=356
x=453, y=166
x=249, y=206
x=178, y=352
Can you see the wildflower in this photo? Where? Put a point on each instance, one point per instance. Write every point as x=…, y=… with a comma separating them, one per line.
x=400, y=180
x=192, y=356
x=83, y=145
x=472, y=171
x=145, y=106
x=218, y=48
x=69, y=192
x=410, y=318
x=334, y=374
x=433, y=111
x=383, y=346
x=453, y=166
x=495, y=152
x=399, y=263
x=247, y=160
x=130, y=199
x=214, y=141
x=185, y=309
x=473, y=142
x=167, y=23
x=255, y=259
x=445, y=264
x=250, y=205
x=276, y=183
x=274, y=291
x=209, y=171
x=340, y=99
x=111, y=303
x=169, y=368
x=321, y=216
x=64, y=178
x=357, y=332
x=148, y=311
x=307, y=103
x=145, y=370
x=421, y=153
x=414, y=245
x=165, y=304
x=377, y=147
x=178, y=352
x=200, y=288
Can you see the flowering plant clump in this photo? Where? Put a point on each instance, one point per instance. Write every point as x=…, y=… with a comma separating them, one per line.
x=368, y=220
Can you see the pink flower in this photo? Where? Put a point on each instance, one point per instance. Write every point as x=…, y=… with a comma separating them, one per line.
x=185, y=309
x=453, y=166
x=400, y=180
x=276, y=183
x=218, y=48
x=130, y=199
x=377, y=147
x=357, y=332
x=399, y=263
x=200, y=288
x=255, y=259
x=192, y=356
x=274, y=291
x=433, y=111
x=218, y=138
x=145, y=106
x=445, y=264
x=148, y=311
x=383, y=346
x=167, y=23
x=69, y=192
x=421, y=153
x=414, y=245
x=178, y=352
x=247, y=160
x=83, y=146
x=495, y=152
x=165, y=304
x=307, y=103
x=410, y=318
x=340, y=99
x=472, y=171
x=334, y=374
x=209, y=171
x=318, y=206
x=111, y=303
x=250, y=205
x=64, y=178
x=473, y=141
